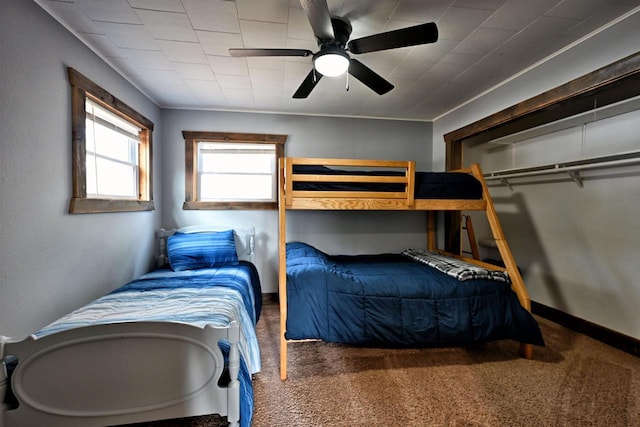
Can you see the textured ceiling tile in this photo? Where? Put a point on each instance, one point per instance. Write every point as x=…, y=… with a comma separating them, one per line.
x=261, y=76
x=480, y=4
x=432, y=52
x=483, y=40
x=217, y=43
x=205, y=89
x=160, y=78
x=228, y=65
x=265, y=10
x=164, y=5
x=238, y=97
x=541, y=28
x=148, y=59
x=387, y=60
x=69, y=12
x=233, y=82
x=179, y=95
x=194, y=71
x=128, y=35
x=420, y=10
x=167, y=25
x=267, y=91
x=108, y=11
x=578, y=9
x=183, y=51
x=104, y=45
x=517, y=14
x=212, y=15
x=612, y=11
x=457, y=22
x=267, y=63
x=263, y=34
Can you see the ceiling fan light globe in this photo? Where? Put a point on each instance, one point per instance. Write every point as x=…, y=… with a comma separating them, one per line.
x=331, y=64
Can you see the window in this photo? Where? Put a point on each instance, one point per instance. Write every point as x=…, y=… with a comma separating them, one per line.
x=231, y=170
x=111, y=146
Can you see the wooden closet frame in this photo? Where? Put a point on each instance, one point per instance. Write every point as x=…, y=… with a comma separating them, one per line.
x=290, y=199
x=607, y=85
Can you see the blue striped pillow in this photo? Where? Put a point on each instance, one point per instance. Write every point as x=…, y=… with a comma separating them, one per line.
x=191, y=251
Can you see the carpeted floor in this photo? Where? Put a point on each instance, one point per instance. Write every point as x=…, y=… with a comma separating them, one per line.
x=573, y=381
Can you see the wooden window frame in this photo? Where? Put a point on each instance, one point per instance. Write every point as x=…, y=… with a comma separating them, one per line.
x=81, y=89
x=191, y=139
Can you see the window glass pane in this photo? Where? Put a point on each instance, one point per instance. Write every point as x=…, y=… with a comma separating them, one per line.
x=230, y=162
x=112, y=144
x=111, y=154
x=101, y=114
x=236, y=172
x=115, y=179
x=92, y=185
x=236, y=187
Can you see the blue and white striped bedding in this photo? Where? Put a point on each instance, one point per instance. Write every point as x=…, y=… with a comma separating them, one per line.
x=212, y=296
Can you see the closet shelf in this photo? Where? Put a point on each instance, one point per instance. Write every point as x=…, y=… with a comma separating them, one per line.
x=572, y=168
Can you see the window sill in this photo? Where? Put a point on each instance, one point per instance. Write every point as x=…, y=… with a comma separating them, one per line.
x=229, y=206
x=83, y=205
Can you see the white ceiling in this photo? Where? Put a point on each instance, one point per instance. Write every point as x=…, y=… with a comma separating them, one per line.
x=175, y=51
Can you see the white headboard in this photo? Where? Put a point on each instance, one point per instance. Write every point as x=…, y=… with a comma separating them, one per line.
x=244, y=237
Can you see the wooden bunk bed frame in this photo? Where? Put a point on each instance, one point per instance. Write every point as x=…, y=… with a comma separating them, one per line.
x=290, y=199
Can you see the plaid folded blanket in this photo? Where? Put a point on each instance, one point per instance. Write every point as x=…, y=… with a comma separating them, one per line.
x=456, y=268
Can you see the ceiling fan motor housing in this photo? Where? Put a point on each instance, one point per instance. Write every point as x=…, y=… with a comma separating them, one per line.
x=341, y=33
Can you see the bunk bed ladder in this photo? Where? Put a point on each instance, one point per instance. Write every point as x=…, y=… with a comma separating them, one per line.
x=517, y=284
x=467, y=225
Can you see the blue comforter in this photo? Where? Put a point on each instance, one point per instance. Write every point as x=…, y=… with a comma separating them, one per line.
x=391, y=300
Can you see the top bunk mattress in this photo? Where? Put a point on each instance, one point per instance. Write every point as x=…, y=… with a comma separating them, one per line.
x=428, y=185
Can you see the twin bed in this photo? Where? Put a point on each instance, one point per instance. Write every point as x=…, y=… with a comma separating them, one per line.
x=179, y=341
x=421, y=298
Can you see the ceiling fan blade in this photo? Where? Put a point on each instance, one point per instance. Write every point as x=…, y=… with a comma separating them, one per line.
x=369, y=77
x=308, y=84
x=269, y=52
x=317, y=12
x=410, y=36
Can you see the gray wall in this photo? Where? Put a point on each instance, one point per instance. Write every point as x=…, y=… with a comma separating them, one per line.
x=333, y=232
x=576, y=246
x=52, y=262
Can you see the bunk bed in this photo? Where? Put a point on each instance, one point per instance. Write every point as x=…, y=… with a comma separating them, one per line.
x=176, y=342
x=314, y=287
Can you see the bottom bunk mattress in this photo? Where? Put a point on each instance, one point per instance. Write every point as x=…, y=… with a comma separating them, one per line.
x=392, y=300
x=208, y=296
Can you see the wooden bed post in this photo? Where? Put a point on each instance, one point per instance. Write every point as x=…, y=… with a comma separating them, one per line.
x=452, y=219
x=431, y=230
x=282, y=268
x=526, y=350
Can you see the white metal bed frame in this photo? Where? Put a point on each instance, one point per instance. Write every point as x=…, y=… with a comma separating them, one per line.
x=125, y=372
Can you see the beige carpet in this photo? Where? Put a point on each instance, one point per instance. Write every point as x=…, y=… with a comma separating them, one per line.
x=573, y=381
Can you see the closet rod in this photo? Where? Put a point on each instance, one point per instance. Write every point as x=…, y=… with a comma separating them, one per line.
x=570, y=168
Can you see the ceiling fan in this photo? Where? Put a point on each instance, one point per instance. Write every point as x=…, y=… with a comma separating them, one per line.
x=332, y=34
